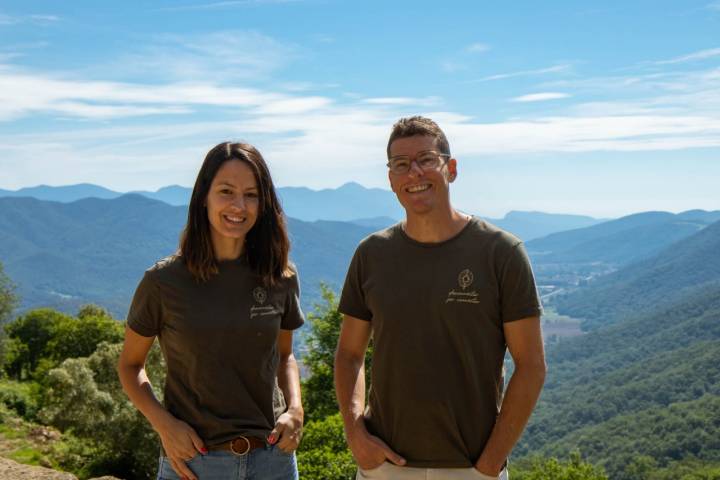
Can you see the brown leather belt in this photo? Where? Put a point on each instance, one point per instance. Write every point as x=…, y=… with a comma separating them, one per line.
x=241, y=445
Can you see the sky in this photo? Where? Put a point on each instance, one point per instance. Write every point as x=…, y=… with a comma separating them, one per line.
x=596, y=108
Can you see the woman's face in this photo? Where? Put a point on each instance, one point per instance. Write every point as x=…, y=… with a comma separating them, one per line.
x=233, y=201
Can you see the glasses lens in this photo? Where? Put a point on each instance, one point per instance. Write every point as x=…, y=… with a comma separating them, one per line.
x=428, y=160
x=399, y=164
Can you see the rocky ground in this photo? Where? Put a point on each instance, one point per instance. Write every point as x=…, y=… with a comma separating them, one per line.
x=11, y=470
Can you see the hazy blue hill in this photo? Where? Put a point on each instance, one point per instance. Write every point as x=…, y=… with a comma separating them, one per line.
x=620, y=241
x=530, y=225
x=665, y=277
x=67, y=193
x=322, y=251
x=172, y=195
x=346, y=202
x=65, y=254
x=378, y=223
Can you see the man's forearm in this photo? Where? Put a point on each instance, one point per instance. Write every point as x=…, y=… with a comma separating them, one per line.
x=350, y=389
x=522, y=393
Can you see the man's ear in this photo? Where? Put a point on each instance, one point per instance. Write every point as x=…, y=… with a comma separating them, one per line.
x=452, y=169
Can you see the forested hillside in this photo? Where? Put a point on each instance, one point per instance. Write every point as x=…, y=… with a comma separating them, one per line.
x=662, y=279
x=642, y=394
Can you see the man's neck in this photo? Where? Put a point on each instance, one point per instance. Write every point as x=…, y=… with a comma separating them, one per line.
x=435, y=227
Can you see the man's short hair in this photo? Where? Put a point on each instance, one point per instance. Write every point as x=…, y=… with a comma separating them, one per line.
x=417, y=125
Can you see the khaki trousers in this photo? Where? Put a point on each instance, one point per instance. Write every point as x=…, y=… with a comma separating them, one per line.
x=389, y=471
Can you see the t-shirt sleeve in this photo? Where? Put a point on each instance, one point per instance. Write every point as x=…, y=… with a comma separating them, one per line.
x=293, y=315
x=145, y=315
x=518, y=293
x=352, y=299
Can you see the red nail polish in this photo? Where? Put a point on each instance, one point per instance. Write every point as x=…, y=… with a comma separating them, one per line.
x=204, y=451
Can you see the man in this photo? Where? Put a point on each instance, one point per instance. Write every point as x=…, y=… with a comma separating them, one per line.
x=443, y=294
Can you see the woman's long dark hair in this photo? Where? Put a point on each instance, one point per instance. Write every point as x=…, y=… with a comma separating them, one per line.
x=266, y=244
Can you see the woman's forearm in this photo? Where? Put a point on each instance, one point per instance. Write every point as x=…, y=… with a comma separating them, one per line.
x=289, y=382
x=136, y=385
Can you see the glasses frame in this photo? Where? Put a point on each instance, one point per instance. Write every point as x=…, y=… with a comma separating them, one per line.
x=441, y=156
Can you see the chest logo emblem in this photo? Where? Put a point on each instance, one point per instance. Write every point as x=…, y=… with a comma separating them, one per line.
x=260, y=295
x=465, y=279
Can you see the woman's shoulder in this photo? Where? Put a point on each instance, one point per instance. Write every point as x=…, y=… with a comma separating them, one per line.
x=170, y=266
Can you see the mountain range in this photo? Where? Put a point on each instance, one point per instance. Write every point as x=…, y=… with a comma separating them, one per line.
x=351, y=202
x=62, y=255
x=663, y=278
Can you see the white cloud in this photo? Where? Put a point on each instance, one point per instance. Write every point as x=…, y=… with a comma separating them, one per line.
x=36, y=19
x=305, y=134
x=477, y=48
x=232, y=55
x=525, y=73
x=540, y=97
x=23, y=94
x=695, y=56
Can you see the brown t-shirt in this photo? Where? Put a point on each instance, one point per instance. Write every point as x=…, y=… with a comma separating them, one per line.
x=219, y=340
x=437, y=313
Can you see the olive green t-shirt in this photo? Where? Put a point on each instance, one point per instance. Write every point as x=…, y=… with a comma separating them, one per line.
x=437, y=312
x=219, y=340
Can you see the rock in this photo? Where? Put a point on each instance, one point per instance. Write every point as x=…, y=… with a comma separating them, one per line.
x=11, y=470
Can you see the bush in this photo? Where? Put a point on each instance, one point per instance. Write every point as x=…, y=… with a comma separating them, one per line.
x=19, y=397
x=323, y=453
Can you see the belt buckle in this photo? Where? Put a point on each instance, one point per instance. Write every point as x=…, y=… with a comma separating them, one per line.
x=247, y=449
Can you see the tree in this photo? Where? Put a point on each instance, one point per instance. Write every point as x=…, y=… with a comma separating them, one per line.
x=8, y=302
x=43, y=338
x=28, y=337
x=319, y=388
x=84, y=396
x=553, y=469
x=8, y=297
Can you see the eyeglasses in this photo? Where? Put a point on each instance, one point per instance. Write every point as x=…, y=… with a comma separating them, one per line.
x=426, y=160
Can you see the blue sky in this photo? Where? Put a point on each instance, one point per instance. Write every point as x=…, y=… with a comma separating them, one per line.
x=603, y=109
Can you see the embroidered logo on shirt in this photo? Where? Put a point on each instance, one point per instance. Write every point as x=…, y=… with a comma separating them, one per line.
x=260, y=295
x=465, y=279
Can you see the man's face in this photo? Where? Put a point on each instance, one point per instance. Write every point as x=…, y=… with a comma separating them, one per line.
x=421, y=191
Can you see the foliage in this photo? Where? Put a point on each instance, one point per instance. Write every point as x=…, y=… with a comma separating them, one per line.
x=552, y=469
x=319, y=387
x=43, y=338
x=323, y=453
x=84, y=397
x=8, y=298
x=20, y=397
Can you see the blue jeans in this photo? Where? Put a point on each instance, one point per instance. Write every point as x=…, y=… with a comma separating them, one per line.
x=269, y=463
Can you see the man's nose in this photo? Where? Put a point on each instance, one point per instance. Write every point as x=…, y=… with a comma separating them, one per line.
x=415, y=169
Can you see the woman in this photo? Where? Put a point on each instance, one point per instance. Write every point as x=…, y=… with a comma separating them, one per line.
x=224, y=309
